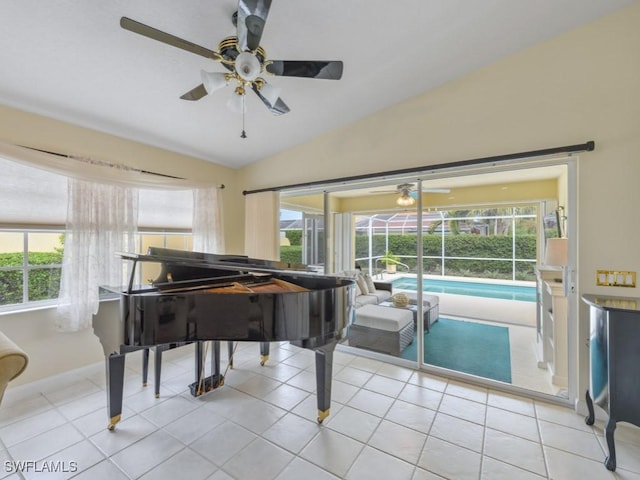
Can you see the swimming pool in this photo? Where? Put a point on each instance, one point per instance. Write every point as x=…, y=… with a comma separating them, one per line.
x=476, y=289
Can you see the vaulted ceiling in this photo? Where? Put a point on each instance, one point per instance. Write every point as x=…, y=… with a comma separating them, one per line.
x=72, y=61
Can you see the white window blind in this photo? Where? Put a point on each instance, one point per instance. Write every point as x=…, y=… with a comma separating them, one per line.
x=36, y=197
x=165, y=209
x=31, y=195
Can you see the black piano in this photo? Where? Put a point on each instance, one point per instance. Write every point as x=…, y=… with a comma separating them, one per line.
x=200, y=297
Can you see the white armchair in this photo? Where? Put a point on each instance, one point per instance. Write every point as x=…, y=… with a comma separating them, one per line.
x=13, y=361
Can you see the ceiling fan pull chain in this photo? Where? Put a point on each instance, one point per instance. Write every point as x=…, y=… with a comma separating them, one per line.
x=243, y=134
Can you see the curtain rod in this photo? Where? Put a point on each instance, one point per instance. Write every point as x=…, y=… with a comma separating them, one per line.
x=101, y=163
x=582, y=147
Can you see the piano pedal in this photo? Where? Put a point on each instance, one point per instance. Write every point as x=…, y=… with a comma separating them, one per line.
x=206, y=385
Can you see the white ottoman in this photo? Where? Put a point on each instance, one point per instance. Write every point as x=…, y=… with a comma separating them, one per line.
x=383, y=329
x=430, y=303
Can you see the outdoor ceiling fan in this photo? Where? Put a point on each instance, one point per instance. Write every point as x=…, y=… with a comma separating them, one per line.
x=244, y=58
x=408, y=193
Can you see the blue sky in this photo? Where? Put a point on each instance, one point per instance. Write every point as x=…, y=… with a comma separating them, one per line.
x=289, y=215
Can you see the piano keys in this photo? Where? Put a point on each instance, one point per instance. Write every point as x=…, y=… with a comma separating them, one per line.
x=200, y=297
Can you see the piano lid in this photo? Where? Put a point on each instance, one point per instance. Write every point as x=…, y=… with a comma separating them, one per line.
x=209, y=260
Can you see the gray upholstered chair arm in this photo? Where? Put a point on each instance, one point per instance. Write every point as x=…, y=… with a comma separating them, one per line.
x=388, y=286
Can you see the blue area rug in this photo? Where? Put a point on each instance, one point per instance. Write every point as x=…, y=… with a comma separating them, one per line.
x=469, y=347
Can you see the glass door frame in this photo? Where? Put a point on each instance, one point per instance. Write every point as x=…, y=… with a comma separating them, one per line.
x=313, y=248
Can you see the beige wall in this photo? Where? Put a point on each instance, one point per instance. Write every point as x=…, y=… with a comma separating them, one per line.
x=580, y=86
x=49, y=351
x=463, y=196
x=577, y=87
x=518, y=192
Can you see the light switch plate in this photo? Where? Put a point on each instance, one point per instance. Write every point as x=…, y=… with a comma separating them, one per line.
x=615, y=278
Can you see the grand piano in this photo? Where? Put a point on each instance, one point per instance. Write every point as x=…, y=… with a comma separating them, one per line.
x=199, y=297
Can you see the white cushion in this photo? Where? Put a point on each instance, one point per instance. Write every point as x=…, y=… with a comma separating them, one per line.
x=383, y=318
x=362, y=284
x=427, y=300
x=381, y=295
x=366, y=300
x=370, y=285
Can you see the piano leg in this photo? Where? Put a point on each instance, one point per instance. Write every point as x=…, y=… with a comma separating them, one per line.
x=158, y=367
x=230, y=353
x=145, y=366
x=264, y=353
x=115, y=388
x=215, y=362
x=324, y=369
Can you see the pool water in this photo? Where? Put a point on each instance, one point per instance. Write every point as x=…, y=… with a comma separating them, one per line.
x=475, y=289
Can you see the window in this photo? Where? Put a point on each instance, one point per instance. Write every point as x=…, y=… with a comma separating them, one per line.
x=30, y=265
x=148, y=271
x=32, y=231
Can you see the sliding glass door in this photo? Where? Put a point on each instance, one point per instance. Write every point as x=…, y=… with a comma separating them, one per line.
x=468, y=249
x=313, y=239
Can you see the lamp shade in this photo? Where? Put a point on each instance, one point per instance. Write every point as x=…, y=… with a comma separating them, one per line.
x=213, y=81
x=557, y=253
x=247, y=66
x=236, y=103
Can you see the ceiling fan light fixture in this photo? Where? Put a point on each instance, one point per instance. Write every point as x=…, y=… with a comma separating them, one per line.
x=236, y=103
x=405, y=200
x=248, y=66
x=213, y=81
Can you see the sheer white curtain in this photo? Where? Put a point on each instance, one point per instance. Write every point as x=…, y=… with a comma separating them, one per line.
x=101, y=220
x=262, y=225
x=343, y=238
x=207, y=225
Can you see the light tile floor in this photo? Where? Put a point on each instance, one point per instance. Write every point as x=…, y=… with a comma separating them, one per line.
x=386, y=421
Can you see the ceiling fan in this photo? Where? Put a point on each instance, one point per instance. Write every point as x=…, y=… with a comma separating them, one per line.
x=408, y=193
x=244, y=59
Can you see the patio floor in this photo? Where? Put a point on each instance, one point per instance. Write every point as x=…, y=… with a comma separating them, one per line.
x=520, y=318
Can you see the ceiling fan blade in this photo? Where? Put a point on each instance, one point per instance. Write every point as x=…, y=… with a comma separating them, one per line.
x=155, y=34
x=252, y=16
x=409, y=189
x=279, y=108
x=329, y=70
x=195, y=93
x=436, y=190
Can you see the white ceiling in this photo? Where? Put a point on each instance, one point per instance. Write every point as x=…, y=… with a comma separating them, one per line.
x=70, y=60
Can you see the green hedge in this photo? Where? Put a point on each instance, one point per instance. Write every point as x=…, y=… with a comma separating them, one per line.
x=294, y=236
x=292, y=254
x=44, y=283
x=482, y=246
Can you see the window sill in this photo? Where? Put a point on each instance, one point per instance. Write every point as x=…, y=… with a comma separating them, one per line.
x=45, y=305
